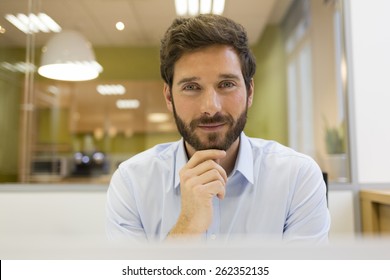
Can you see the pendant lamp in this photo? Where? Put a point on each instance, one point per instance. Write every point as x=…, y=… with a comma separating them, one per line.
x=68, y=56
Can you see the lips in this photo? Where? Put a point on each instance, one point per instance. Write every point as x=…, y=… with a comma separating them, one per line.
x=213, y=123
x=211, y=126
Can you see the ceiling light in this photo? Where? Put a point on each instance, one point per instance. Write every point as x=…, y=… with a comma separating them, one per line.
x=205, y=6
x=22, y=67
x=120, y=26
x=158, y=117
x=17, y=23
x=49, y=22
x=181, y=7
x=218, y=7
x=166, y=127
x=68, y=56
x=111, y=89
x=127, y=103
x=38, y=24
x=53, y=90
x=33, y=23
x=195, y=7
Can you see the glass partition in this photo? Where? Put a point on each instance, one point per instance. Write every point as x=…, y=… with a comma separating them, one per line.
x=61, y=131
x=83, y=134
x=316, y=92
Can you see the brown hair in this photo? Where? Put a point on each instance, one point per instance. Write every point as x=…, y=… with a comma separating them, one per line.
x=188, y=34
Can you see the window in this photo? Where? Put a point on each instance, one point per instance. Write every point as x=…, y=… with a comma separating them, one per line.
x=316, y=85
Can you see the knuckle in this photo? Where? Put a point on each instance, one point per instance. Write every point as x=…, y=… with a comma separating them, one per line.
x=211, y=163
x=216, y=173
x=185, y=175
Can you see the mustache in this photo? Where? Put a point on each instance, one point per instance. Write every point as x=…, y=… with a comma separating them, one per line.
x=217, y=118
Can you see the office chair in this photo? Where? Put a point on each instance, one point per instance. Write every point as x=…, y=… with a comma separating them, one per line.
x=325, y=176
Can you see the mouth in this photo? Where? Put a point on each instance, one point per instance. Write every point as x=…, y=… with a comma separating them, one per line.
x=211, y=126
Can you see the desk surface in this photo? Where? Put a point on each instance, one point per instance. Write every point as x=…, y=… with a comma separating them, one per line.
x=375, y=211
x=379, y=196
x=89, y=247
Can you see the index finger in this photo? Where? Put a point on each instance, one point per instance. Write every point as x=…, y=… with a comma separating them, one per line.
x=204, y=155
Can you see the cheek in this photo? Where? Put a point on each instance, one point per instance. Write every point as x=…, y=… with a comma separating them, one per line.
x=184, y=109
x=236, y=104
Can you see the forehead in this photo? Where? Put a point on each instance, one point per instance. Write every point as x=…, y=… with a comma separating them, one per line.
x=207, y=61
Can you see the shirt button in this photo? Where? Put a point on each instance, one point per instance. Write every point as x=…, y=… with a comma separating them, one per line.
x=213, y=237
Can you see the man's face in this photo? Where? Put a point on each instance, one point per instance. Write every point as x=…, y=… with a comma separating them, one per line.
x=209, y=99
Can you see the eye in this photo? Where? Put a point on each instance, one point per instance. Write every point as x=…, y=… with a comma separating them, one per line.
x=227, y=84
x=191, y=87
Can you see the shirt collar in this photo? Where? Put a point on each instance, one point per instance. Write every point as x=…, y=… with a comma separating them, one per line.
x=180, y=160
x=244, y=161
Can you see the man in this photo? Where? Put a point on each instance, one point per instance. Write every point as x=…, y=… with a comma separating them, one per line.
x=215, y=183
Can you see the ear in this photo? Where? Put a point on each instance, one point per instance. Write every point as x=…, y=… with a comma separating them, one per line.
x=168, y=97
x=250, y=93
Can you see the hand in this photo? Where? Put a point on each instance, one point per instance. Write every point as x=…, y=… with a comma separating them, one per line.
x=201, y=179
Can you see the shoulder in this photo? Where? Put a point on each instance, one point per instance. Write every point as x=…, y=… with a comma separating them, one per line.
x=271, y=147
x=277, y=153
x=161, y=153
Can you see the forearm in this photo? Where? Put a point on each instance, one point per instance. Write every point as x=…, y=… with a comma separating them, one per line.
x=183, y=229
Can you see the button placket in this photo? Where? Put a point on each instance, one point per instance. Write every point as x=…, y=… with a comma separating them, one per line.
x=214, y=229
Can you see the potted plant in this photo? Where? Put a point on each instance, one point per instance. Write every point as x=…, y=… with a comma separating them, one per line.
x=334, y=139
x=336, y=152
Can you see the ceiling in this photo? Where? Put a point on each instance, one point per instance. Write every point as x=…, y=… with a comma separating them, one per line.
x=145, y=20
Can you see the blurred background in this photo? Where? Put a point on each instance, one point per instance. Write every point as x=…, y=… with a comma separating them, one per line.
x=66, y=131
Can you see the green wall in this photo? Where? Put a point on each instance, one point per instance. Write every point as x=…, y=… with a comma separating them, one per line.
x=129, y=63
x=267, y=118
x=10, y=93
x=53, y=126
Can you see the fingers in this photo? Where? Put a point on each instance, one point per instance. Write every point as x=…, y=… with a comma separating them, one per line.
x=203, y=161
x=210, y=168
x=202, y=156
x=204, y=175
x=210, y=183
x=216, y=189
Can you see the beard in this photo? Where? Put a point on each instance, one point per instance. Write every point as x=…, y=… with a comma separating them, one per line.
x=214, y=140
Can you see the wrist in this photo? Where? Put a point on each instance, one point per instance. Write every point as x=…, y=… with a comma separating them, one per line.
x=184, y=228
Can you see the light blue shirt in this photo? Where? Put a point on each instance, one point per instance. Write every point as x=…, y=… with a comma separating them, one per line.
x=273, y=193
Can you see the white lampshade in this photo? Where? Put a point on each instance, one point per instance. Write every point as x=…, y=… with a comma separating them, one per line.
x=68, y=56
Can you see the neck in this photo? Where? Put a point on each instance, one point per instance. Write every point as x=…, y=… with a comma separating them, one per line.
x=228, y=162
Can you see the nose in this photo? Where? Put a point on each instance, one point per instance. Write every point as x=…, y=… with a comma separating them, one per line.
x=210, y=102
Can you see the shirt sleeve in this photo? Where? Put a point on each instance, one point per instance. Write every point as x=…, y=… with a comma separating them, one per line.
x=308, y=220
x=122, y=217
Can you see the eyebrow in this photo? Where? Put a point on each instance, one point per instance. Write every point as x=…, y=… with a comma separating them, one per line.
x=187, y=80
x=229, y=76
x=193, y=79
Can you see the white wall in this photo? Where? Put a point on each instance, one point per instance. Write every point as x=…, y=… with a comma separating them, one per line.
x=52, y=210
x=369, y=76
x=342, y=215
